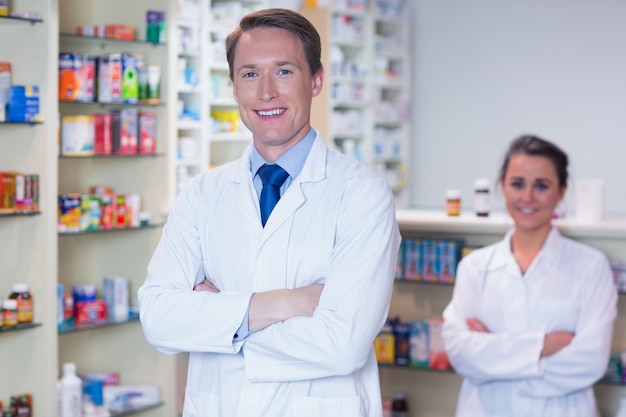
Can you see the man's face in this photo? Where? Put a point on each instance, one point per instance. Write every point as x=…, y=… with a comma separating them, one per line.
x=274, y=87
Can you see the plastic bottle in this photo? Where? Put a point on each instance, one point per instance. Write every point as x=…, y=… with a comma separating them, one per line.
x=9, y=313
x=453, y=202
x=482, y=198
x=399, y=406
x=71, y=392
x=24, y=303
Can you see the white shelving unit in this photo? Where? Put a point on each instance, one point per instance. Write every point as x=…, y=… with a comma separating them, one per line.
x=227, y=136
x=363, y=109
x=434, y=393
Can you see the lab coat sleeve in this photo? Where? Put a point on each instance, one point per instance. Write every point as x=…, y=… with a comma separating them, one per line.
x=338, y=339
x=584, y=361
x=175, y=318
x=485, y=357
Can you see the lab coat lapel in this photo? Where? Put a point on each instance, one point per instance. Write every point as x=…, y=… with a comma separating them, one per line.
x=247, y=201
x=314, y=170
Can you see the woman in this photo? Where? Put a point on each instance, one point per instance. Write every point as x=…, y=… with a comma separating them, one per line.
x=530, y=322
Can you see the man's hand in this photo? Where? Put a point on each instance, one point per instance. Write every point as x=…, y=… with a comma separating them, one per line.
x=555, y=341
x=269, y=307
x=206, y=285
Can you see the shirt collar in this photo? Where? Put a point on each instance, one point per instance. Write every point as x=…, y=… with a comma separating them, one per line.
x=291, y=161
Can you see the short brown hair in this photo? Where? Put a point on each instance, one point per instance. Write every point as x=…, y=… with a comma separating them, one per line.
x=283, y=19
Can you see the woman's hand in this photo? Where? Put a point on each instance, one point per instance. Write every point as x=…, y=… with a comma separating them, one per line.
x=475, y=325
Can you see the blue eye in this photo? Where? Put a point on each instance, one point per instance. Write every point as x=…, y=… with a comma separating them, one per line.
x=284, y=72
x=540, y=186
x=248, y=75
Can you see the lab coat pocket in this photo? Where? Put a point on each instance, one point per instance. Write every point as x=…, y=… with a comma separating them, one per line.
x=327, y=407
x=200, y=404
x=307, y=265
x=558, y=314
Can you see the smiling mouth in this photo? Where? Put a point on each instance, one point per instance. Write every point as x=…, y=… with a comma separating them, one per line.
x=527, y=210
x=268, y=113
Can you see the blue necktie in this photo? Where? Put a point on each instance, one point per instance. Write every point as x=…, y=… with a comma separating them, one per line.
x=273, y=176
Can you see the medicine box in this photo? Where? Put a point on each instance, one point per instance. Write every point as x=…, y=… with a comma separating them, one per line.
x=7, y=192
x=419, y=344
x=412, y=259
x=124, y=130
x=130, y=81
x=69, y=213
x=438, y=359
x=23, y=105
x=5, y=82
x=384, y=345
x=402, y=332
x=4, y=7
x=147, y=132
x=155, y=26
x=102, y=133
x=89, y=213
x=77, y=135
x=115, y=294
x=448, y=256
x=109, y=69
x=90, y=312
x=429, y=260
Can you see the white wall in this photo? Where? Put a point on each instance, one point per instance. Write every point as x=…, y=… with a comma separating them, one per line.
x=489, y=70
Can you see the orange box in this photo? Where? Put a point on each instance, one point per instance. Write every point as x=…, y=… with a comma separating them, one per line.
x=7, y=192
x=70, y=67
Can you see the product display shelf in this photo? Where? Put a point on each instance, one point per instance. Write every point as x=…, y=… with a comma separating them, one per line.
x=31, y=213
x=28, y=352
x=19, y=327
x=91, y=326
x=21, y=123
x=113, y=230
x=115, y=156
x=112, y=347
x=68, y=35
x=435, y=393
x=12, y=19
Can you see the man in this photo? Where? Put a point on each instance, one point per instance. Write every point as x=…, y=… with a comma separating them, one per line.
x=278, y=307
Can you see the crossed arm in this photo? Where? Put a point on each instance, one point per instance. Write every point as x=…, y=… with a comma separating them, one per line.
x=269, y=307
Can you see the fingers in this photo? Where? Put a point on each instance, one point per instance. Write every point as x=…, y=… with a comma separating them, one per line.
x=206, y=285
x=475, y=325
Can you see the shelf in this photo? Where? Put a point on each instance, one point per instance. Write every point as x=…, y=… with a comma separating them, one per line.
x=452, y=372
x=83, y=103
x=113, y=156
x=18, y=214
x=19, y=327
x=21, y=123
x=438, y=221
x=65, y=35
x=121, y=229
x=22, y=19
x=92, y=326
x=135, y=410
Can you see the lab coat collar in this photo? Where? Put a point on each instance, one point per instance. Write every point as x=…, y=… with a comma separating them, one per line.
x=314, y=170
x=550, y=252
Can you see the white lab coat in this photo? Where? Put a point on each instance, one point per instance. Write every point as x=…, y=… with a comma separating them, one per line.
x=568, y=287
x=335, y=225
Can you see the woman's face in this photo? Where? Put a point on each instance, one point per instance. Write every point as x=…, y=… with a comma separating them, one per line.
x=531, y=191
